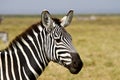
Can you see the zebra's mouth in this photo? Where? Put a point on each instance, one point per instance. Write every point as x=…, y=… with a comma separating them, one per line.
x=75, y=70
x=76, y=64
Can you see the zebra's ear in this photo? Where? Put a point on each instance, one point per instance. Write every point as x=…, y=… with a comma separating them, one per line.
x=46, y=19
x=66, y=20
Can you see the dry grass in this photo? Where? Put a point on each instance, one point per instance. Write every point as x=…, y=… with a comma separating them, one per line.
x=98, y=43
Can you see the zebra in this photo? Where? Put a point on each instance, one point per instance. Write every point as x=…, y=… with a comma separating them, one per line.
x=29, y=53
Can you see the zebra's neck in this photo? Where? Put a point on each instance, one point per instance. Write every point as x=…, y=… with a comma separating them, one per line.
x=26, y=56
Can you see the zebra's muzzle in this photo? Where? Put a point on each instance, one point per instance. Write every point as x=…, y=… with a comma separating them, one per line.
x=76, y=64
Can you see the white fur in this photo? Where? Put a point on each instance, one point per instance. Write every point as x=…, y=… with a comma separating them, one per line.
x=63, y=21
x=40, y=28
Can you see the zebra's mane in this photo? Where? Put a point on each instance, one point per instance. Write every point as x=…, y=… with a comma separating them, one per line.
x=29, y=31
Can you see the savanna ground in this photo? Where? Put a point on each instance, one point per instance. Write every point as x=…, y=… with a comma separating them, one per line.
x=98, y=43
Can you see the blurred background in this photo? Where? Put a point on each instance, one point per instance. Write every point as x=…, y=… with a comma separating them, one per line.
x=95, y=30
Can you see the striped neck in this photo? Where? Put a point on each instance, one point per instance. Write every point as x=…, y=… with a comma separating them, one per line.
x=26, y=55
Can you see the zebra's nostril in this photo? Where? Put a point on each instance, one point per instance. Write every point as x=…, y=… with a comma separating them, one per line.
x=76, y=64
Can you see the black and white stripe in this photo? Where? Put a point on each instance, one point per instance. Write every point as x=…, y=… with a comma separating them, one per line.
x=29, y=53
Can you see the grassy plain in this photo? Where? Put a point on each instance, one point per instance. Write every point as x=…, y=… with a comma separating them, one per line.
x=98, y=43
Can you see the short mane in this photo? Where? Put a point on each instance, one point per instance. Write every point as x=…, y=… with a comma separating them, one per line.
x=29, y=30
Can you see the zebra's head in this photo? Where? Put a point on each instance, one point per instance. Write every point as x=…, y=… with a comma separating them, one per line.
x=59, y=46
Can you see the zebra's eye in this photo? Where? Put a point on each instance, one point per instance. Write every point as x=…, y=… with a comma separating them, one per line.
x=58, y=40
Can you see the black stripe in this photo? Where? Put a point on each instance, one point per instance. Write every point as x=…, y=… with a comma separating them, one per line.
x=30, y=56
x=9, y=66
x=22, y=61
x=24, y=64
x=3, y=65
x=40, y=38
